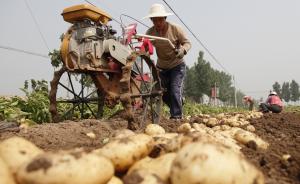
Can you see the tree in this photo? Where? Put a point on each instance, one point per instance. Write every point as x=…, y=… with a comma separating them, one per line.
x=277, y=88
x=294, y=89
x=203, y=72
x=190, y=89
x=198, y=79
x=201, y=78
x=285, y=91
x=223, y=81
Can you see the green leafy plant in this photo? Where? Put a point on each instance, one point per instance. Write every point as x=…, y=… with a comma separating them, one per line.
x=56, y=59
x=10, y=109
x=37, y=102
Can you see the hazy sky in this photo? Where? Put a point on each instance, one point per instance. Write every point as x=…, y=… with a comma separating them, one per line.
x=257, y=41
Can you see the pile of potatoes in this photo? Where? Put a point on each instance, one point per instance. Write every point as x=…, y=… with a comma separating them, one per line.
x=231, y=130
x=197, y=153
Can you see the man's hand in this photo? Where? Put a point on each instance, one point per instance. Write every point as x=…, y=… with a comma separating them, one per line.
x=180, y=52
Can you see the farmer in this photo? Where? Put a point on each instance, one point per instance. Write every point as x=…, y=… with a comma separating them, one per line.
x=249, y=101
x=170, y=60
x=273, y=104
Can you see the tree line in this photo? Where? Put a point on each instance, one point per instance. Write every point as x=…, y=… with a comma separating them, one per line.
x=201, y=78
x=288, y=91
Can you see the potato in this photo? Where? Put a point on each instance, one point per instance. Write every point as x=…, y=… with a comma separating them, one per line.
x=115, y=180
x=193, y=130
x=119, y=134
x=6, y=176
x=286, y=157
x=232, y=131
x=206, y=116
x=15, y=151
x=225, y=127
x=220, y=116
x=205, y=120
x=124, y=152
x=235, y=123
x=207, y=163
x=154, y=129
x=142, y=177
x=160, y=166
x=165, y=143
x=244, y=123
x=166, y=135
x=210, y=131
x=184, y=128
x=250, y=128
x=244, y=137
x=216, y=128
x=196, y=137
x=231, y=120
x=66, y=168
x=212, y=122
x=201, y=128
x=227, y=140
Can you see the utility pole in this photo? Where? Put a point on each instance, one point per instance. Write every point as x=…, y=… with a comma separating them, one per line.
x=234, y=85
x=215, y=89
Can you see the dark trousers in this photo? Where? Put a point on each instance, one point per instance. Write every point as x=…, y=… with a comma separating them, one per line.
x=172, y=82
x=267, y=107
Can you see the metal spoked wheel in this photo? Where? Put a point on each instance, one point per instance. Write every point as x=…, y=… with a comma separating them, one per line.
x=74, y=96
x=150, y=90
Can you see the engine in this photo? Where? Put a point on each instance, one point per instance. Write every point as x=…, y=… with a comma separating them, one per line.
x=90, y=44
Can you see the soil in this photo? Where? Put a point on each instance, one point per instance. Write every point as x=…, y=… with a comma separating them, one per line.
x=280, y=163
x=282, y=132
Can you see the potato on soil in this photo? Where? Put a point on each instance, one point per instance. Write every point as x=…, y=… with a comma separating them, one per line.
x=6, y=176
x=166, y=135
x=212, y=122
x=160, y=166
x=115, y=180
x=165, y=143
x=154, y=129
x=119, y=134
x=227, y=140
x=66, y=168
x=124, y=152
x=245, y=137
x=142, y=177
x=184, y=128
x=196, y=137
x=225, y=127
x=250, y=128
x=15, y=151
x=201, y=127
x=207, y=163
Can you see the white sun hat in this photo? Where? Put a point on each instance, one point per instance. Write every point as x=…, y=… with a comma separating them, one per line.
x=273, y=93
x=157, y=10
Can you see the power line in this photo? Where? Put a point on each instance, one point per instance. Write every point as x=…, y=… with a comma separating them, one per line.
x=36, y=24
x=199, y=41
x=133, y=19
x=24, y=51
x=111, y=17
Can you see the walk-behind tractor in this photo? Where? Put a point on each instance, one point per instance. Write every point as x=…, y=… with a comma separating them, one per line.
x=119, y=68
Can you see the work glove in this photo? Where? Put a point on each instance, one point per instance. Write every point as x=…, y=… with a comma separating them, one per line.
x=180, y=52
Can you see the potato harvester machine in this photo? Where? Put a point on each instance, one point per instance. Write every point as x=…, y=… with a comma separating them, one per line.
x=119, y=69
